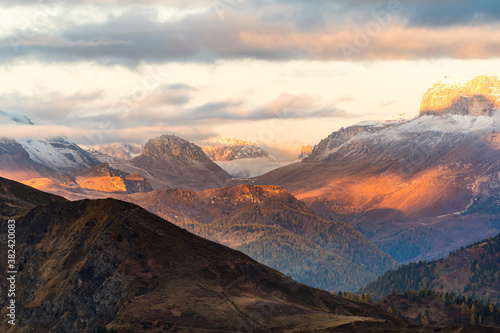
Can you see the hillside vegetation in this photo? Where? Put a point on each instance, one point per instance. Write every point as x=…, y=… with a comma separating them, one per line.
x=472, y=271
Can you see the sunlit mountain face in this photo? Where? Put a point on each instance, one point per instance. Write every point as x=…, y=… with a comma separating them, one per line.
x=410, y=185
x=205, y=165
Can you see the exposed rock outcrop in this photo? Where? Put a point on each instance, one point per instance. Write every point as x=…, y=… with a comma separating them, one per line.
x=478, y=97
x=170, y=161
x=305, y=152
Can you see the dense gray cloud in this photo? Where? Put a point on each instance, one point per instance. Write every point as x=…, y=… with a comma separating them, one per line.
x=278, y=30
x=452, y=12
x=307, y=13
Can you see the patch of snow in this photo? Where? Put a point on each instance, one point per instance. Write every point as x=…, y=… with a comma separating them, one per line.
x=450, y=123
x=58, y=153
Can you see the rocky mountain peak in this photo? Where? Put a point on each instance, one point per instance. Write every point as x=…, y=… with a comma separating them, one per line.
x=171, y=145
x=479, y=96
x=169, y=161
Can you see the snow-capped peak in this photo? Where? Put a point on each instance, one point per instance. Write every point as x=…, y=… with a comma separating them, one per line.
x=227, y=142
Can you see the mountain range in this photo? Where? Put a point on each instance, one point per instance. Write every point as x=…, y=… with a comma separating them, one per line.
x=273, y=227
x=365, y=199
x=105, y=264
x=405, y=184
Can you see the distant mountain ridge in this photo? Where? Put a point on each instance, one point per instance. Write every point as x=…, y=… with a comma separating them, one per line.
x=10, y=117
x=174, y=162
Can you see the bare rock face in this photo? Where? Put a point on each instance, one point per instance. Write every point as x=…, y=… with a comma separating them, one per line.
x=305, y=152
x=170, y=161
x=478, y=97
x=170, y=145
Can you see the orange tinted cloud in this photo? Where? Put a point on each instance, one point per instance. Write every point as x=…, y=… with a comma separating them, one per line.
x=390, y=43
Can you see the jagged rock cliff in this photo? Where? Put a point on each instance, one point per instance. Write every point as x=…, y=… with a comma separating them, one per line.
x=305, y=152
x=411, y=178
x=480, y=96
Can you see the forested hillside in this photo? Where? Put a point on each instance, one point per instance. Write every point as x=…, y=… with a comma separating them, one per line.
x=472, y=271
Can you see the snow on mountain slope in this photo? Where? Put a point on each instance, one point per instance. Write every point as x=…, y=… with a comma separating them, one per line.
x=58, y=153
x=240, y=158
x=388, y=133
x=450, y=123
x=10, y=117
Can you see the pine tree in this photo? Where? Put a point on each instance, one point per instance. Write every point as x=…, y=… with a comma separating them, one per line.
x=464, y=309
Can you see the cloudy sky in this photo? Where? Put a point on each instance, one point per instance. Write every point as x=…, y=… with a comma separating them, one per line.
x=284, y=73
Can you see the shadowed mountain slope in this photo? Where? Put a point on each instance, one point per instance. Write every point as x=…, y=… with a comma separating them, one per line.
x=94, y=263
